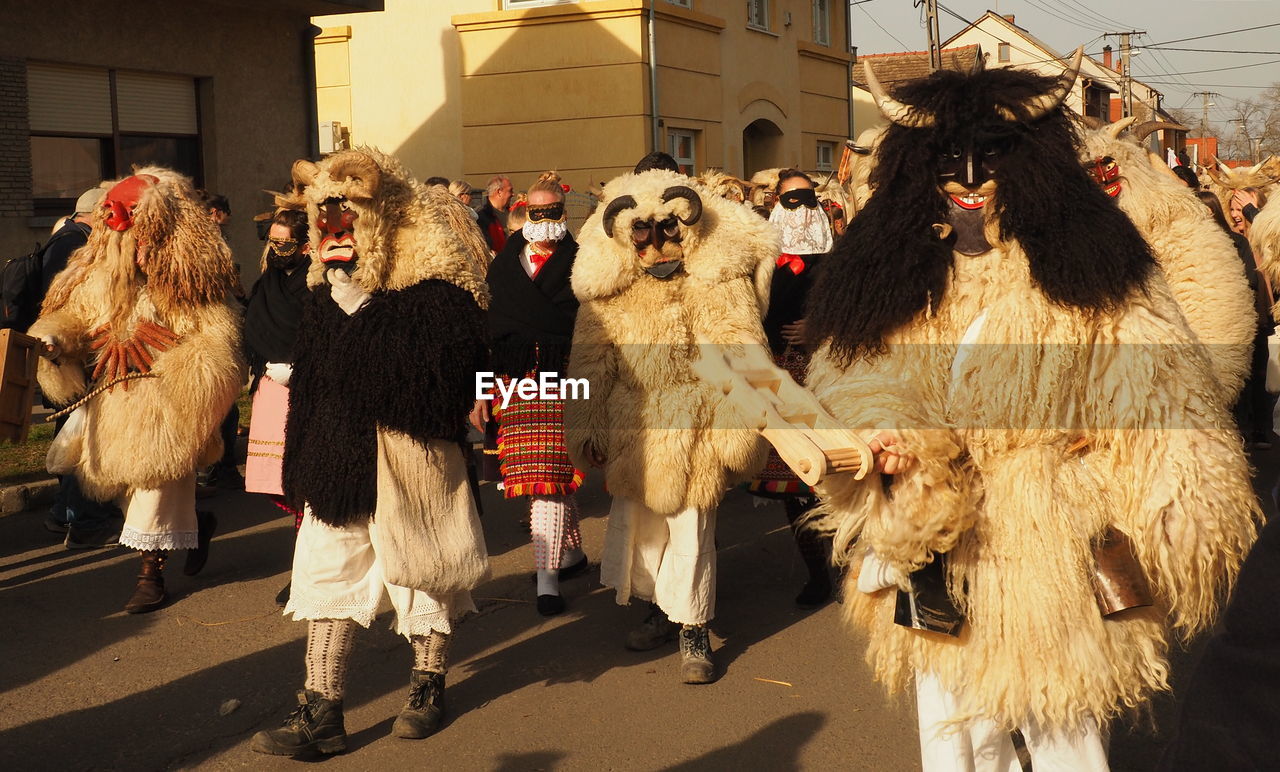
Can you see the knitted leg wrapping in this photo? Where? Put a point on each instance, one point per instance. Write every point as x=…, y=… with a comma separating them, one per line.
x=547, y=516
x=328, y=646
x=431, y=652
x=813, y=546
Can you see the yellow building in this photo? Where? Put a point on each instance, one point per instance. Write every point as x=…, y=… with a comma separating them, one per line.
x=519, y=86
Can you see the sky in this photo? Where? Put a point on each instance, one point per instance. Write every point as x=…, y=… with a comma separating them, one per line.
x=894, y=25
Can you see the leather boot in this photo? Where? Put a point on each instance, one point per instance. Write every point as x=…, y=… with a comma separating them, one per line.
x=696, y=666
x=424, y=712
x=149, y=594
x=197, y=557
x=315, y=725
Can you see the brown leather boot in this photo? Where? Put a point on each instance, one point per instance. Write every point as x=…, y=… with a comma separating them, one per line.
x=149, y=594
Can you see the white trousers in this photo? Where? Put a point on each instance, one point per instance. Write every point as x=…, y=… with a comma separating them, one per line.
x=981, y=746
x=667, y=559
x=337, y=575
x=162, y=518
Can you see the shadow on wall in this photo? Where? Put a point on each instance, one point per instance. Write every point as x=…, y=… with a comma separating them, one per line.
x=528, y=108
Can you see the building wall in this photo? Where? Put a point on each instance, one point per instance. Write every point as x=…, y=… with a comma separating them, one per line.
x=253, y=93
x=391, y=79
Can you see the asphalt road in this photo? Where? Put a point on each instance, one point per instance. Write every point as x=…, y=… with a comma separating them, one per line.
x=85, y=686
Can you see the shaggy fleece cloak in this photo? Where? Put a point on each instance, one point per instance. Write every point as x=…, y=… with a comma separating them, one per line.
x=1000, y=489
x=1198, y=259
x=160, y=429
x=381, y=395
x=671, y=440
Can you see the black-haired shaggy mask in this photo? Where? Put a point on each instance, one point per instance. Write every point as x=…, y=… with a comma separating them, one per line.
x=1001, y=133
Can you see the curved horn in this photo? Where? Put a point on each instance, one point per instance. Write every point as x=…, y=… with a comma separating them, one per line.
x=897, y=112
x=979, y=64
x=615, y=208
x=1226, y=169
x=362, y=170
x=688, y=194
x=304, y=172
x=1117, y=128
x=1256, y=167
x=1042, y=104
x=1142, y=131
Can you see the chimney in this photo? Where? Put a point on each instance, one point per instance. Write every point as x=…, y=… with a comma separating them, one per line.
x=1106, y=57
x=1008, y=17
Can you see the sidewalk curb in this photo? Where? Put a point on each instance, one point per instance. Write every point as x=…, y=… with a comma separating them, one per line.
x=24, y=496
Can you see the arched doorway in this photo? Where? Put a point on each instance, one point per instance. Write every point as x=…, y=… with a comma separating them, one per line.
x=761, y=146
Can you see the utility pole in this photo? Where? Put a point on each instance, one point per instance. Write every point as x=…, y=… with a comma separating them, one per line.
x=1126, y=76
x=1204, y=115
x=935, y=37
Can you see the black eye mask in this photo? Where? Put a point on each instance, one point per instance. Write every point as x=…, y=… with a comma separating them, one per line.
x=547, y=212
x=794, y=199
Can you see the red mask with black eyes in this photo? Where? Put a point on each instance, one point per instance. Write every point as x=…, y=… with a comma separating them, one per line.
x=1106, y=172
x=336, y=222
x=123, y=198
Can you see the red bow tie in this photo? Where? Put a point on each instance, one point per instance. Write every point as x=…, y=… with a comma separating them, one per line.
x=794, y=262
x=537, y=260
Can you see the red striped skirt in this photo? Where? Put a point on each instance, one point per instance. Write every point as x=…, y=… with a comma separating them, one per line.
x=532, y=455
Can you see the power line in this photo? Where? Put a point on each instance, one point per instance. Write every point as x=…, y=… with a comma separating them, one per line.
x=1105, y=19
x=1215, y=69
x=1216, y=50
x=905, y=47
x=1218, y=34
x=1045, y=9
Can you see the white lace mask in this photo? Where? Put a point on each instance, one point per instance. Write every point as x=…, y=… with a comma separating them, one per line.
x=805, y=231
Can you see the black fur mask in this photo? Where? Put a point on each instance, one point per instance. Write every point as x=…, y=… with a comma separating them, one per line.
x=890, y=264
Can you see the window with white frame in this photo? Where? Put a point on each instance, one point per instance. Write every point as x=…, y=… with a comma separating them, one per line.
x=826, y=156
x=758, y=14
x=822, y=22
x=682, y=145
x=1003, y=52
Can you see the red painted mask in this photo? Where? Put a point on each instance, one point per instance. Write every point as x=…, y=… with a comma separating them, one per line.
x=338, y=244
x=1106, y=172
x=123, y=198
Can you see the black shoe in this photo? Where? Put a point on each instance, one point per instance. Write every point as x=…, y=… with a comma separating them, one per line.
x=577, y=569
x=316, y=725
x=424, y=712
x=282, y=597
x=550, y=605
x=225, y=477
x=197, y=557
x=103, y=536
x=816, y=592
x=54, y=525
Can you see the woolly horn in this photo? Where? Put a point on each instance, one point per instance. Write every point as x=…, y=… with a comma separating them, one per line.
x=688, y=194
x=898, y=112
x=1147, y=129
x=615, y=208
x=362, y=170
x=1117, y=128
x=1042, y=104
x=304, y=172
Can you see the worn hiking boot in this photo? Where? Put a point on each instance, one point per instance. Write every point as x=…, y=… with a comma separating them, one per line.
x=696, y=666
x=197, y=557
x=424, y=712
x=149, y=594
x=654, y=631
x=315, y=725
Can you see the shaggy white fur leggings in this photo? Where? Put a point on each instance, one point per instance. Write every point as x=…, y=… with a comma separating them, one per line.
x=554, y=522
x=981, y=746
